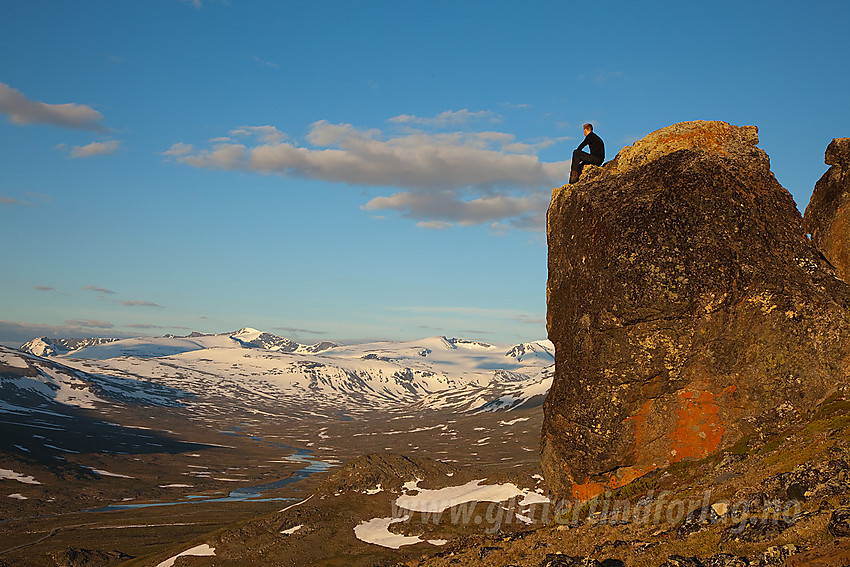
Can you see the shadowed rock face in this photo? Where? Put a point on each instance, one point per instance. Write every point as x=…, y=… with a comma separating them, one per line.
x=687, y=307
x=827, y=217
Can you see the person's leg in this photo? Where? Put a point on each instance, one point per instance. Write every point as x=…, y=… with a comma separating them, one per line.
x=579, y=159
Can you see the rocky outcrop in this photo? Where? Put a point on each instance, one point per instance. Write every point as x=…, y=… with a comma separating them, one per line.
x=687, y=307
x=77, y=557
x=827, y=217
x=839, y=522
x=383, y=471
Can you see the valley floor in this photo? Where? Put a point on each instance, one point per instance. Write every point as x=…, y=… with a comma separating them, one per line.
x=167, y=476
x=160, y=461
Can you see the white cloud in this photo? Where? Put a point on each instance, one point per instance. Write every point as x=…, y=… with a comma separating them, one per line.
x=323, y=133
x=434, y=224
x=222, y=156
x=534, y=147
x=369, y=157
x=95, y=149
x=266, y=134
x=452, y=177
x=448, y=118
x=22, y=110
x=440, y=209
x=179, y=149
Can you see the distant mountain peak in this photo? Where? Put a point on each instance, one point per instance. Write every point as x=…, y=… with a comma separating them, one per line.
x=248, y=331
x=45, y=346
x=253, y=338
x=539, y=350
x=435, y=372
x=468, y=343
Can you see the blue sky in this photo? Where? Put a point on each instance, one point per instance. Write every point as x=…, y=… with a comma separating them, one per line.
x=355, y=170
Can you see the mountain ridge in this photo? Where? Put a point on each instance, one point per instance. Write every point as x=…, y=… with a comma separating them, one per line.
x=434, y=373
x=246, y=337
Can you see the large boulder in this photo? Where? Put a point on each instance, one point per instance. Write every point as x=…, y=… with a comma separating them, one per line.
x=687, y=307
x=827, y=217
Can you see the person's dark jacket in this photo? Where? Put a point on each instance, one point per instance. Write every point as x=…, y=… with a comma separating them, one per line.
x=597, y=147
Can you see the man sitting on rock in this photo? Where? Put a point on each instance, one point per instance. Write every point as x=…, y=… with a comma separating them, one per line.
x=580, y=158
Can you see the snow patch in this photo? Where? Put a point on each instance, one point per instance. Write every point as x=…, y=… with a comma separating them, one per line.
x=7, y=474
x=513, y=421
x=377, y=532
x=13, y=360
x=292, y=530
x=202, y=550
x=533, y=498
x=444, y=498
x=102, y=472
x=296, y=504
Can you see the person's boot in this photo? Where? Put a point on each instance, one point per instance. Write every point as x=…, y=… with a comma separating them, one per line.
x=573, y=176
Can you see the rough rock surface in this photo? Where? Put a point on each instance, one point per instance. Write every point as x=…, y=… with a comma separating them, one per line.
x=77, y=557
x=839, y=522
x=827, y=217
x=387, y=470
x=687, y=307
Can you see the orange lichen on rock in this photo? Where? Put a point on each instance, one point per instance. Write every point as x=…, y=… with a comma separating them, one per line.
x=698, y=432
x=698, y=429
x=621, y=477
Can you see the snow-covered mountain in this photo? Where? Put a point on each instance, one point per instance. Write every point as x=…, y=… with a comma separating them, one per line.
x=44, y=346
x=151, y=347
x=31, y=384
x=263, y=371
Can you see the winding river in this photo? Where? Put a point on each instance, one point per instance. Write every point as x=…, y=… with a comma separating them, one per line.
x=253, y=493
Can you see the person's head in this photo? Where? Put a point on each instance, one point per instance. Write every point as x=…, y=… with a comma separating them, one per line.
x=588, y=128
